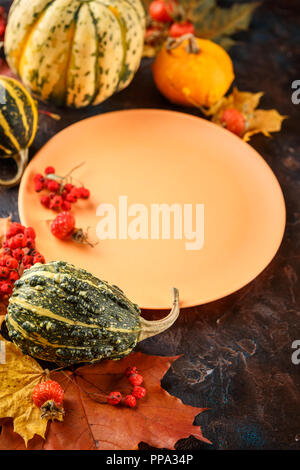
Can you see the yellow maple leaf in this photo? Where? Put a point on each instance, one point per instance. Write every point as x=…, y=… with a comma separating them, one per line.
x=264, y=121
x=19, y=375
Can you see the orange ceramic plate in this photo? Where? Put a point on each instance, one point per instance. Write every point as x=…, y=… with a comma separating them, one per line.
x=162, y=157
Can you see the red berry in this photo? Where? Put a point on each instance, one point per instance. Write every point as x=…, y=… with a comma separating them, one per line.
x=63, y=225
x=4, y=273
x=114, y=398
x=34, y=252
x=12, y=243
x=84, y=193
x=161, y=11
x=18, y=254
x=233, y=120
x=76, y=192
x=3, y=259
x=179, y=29
x=130, y=401
x=53, y=186
x=45, y=201
x=7, y=251
x=68, y=187
x=130, y=370
x=38, y=187
x=48, y=391
x=27, y=260
x=30, y=243
x=20, y=240
x=72, y=197
x=28, y=266
x=6, y=288
x=3, y=24
x=135, y=379
x=29, y=232
x=56, y=203
x=13, y=276
x=39, y=259
x=139, y=392
x=12, y=263
x=49, y=170
x=66, y=206
x=38, y=178
x=14, y=229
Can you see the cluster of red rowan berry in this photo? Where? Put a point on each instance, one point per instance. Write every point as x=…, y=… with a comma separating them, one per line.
x=135, y=379
x=17, y=253
x=62, y=194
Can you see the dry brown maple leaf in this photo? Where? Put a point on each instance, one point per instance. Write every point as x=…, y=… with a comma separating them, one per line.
x=19, y=375
x=159, y=419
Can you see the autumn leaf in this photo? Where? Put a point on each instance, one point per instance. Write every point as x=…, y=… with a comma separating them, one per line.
x=19, y=375
x=265, y=122
x=219, y=23
x=256, y=120
x=91, y=424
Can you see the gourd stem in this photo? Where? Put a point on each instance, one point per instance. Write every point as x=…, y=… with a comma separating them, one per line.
x=192, y=46
x=21, y=160
x=152, y=328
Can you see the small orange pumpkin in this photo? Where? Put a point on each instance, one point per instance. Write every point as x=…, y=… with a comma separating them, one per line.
x=192, y=71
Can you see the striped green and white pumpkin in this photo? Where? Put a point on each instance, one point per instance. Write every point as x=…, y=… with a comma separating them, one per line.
x=18, y=124
x=62, y=314
x=75, y=52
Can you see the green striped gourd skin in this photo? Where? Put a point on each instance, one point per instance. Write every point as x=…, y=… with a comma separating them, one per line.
x=18, y=117
x=75, y=52
x=65, y=315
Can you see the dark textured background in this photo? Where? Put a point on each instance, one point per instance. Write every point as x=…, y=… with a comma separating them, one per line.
x=236, y=351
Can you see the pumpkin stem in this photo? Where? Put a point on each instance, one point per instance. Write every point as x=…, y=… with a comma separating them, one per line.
x=152, y=328
x=192, y=46
x=21, y=160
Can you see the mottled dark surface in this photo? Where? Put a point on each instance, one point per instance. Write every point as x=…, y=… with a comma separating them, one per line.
x=236, y=351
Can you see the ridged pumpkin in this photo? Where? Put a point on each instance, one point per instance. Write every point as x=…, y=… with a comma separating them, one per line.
x=65, y=315
x=75, y=52
x=18, y=124
x=193, y=71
